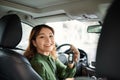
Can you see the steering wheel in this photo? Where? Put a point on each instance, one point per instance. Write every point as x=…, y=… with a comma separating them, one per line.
x=59, y=47
x=62, y=54
x=83, y=60
x=83, y=54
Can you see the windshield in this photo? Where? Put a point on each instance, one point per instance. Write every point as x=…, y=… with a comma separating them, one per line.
x=75, y=32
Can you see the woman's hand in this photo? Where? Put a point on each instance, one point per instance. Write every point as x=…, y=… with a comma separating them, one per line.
x=76, y=56
x=76, y=53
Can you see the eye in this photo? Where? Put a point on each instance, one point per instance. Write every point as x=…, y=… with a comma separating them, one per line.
x=51, y=36
x=41, y=36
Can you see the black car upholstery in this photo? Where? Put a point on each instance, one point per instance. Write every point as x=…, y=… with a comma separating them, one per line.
x=13, y=65
x=108, y=51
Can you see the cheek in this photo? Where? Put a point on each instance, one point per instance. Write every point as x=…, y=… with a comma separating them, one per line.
x=38, y=42
x=53, y=41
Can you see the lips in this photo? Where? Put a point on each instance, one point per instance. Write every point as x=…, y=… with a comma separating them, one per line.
x=48, y=45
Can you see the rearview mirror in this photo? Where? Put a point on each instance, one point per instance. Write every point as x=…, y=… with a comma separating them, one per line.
x=94, y=29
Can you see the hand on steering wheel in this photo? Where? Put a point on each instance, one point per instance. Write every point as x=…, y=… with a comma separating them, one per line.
x=72, y=48
x=75, y=52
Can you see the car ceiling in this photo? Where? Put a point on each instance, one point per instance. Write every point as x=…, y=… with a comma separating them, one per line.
x=42, y=11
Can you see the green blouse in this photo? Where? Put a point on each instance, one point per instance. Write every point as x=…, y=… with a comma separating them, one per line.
x=50, y=69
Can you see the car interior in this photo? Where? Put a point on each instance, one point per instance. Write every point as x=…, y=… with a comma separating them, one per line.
x=108, y=46
x=14, y=66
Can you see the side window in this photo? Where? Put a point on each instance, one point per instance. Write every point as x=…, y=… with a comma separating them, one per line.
x=26, y=29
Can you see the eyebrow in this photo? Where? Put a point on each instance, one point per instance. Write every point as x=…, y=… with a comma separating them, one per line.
x=43, y=33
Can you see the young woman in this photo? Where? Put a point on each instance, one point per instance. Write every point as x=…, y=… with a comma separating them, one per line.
x=41, y=53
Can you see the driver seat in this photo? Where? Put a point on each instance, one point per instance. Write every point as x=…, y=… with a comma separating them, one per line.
x=13, y=65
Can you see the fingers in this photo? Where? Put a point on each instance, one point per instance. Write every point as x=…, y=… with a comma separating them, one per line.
x=74, y=49
x=76, y=53
x=76, y=57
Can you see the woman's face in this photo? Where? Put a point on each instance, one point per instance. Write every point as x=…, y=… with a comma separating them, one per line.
x=44, y=41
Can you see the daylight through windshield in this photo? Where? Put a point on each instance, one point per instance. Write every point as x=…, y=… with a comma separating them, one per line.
x=75, y=32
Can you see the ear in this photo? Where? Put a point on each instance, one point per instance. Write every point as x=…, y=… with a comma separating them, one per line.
x=34, y=42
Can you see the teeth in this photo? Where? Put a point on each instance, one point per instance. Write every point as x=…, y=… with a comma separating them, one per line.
x=48, y=44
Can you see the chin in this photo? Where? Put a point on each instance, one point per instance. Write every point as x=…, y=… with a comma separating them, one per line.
x=48, y=50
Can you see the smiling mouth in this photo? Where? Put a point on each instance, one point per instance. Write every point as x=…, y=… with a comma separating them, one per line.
x=48, y=45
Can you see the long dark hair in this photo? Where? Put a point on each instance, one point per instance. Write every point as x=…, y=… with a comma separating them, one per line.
x=31, y=49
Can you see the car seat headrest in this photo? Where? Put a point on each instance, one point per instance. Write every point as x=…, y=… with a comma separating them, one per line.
x=10, y=31
x=108, y=51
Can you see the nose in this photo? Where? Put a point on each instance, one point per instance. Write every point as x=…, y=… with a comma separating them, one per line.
x=48, y=39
